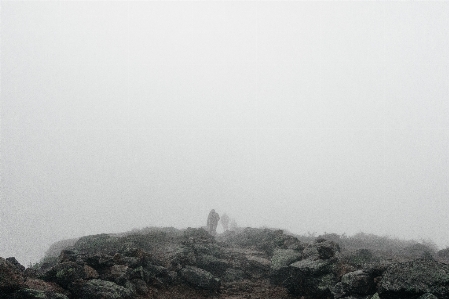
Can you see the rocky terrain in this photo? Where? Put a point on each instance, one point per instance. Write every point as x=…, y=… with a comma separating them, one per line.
x=247, y=263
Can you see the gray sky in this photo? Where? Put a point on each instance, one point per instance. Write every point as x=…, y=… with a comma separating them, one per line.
x=307, y=116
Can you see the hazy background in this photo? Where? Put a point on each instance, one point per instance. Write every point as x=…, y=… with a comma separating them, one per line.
x=306, y=116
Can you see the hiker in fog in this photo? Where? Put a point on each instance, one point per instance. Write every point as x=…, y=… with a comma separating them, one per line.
x=212, y=222
x=225, y=222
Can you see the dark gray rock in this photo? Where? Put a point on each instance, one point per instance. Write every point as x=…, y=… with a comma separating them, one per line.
x=415, y=278
x=428, y=296
x=321, y=249
x=212, y=264
x=257, y=267
x=200, y=278
x=13, y=261
x=65, y=273
x=11, y=278
x=284, y=257
x=100, y=289
x=140, y=286
x=280, y=261
x=358, y=282
x=311, y=278
x=36, y=294
x=233, y=275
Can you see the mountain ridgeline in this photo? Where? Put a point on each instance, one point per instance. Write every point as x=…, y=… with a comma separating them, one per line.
x=243, y=263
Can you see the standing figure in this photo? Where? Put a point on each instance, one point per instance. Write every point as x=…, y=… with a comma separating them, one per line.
x=212, y=222
x=225, y=222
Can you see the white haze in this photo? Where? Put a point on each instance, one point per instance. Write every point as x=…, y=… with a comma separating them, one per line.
x=305, y=116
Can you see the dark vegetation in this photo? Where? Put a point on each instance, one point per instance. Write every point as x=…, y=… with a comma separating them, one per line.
x=242, y=263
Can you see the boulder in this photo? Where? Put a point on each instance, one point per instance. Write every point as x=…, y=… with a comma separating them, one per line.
x=200, y=278
x=159, y=274
x=37, y=294
x=99, y=261
x=212, y=264
x=45, y=286
x=11, y=278
x=321, y=249
x=13, y=261
x=233, y=275
x=414, y=279
x=140, y=286
x=358, y=282
x=311, y=278
x=283, y=258
x=257, y=267
x=65, y=273
x=100, y=289
x=428, y=296
x=67, y=256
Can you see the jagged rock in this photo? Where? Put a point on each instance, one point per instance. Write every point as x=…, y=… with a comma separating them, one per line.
x=140, y=286
x=36, y=294
x=159, y=275
x=311, y=278
x=358, y=282
x=233, y=275
x=45, y=286
x=139, y=273
x=428, y=296
x=415, y=278
x=65, y=273
x=284, y=257
x=257, y=267
x=13, y=261
x=280, y=261
x=67, y=256
x=200, y=278
x=90, y=273
x=117, y=273
x=11, y=278
x=321, y=249
x=212, y=264
x=182, y=256
x=100, y=289
x=99, y=261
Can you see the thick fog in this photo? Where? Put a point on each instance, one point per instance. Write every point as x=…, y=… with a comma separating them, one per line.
x=306, y=116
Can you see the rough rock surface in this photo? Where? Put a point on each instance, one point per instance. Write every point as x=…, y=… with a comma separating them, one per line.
x=200, y=278
x=247, y=263
x=100, y=289
x=415, y=278
x=358, y=282
x=312, y=278
x=11, y=278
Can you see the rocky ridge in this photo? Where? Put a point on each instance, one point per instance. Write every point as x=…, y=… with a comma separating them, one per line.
x=248, y=263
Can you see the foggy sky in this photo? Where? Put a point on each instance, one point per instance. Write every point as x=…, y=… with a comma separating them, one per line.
x=306, y=116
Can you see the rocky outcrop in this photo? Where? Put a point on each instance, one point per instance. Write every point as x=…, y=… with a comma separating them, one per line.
x=97, y=288
x=357, y=283
x=280, y=262
x=312, y=278
x=11, y=278
x=414, y=279
x=200, y=278
x=192, y=264
x=36, y=294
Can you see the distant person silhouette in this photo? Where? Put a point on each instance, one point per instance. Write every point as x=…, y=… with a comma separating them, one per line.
x=212, y=222
x=225, y=222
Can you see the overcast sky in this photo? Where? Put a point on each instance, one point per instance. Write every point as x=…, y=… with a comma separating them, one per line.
x=306, y=116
